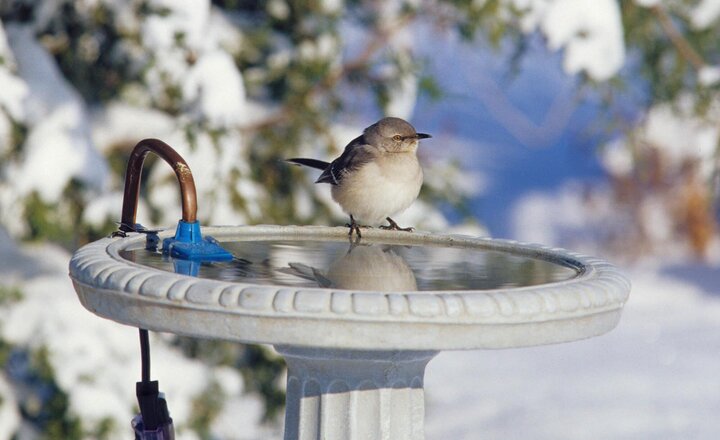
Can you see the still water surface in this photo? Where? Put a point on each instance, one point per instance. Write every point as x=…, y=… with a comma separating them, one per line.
x=365, y=266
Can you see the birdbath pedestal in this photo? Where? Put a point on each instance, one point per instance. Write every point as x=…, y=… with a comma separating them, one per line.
x=356, y=322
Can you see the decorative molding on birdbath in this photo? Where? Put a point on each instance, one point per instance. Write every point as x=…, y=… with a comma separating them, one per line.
x=356, y=358
x=584, y=306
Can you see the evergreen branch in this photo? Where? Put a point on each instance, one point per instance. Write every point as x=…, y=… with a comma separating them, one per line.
x=378, y=42
x=676, y=37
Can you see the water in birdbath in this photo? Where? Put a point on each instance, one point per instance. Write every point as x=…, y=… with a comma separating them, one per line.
x=369, y=265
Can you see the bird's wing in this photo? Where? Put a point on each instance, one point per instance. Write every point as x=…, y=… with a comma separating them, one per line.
x=307, y=272
x=357, y=153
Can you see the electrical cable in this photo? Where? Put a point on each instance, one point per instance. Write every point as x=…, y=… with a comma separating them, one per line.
x=145, y=355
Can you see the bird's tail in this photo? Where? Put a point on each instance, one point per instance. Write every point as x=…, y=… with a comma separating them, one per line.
x=312, y=163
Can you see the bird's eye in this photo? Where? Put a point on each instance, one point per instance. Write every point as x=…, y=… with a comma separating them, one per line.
x=397, y=137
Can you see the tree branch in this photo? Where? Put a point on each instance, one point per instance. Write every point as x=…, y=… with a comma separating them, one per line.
x=676, y=37
x=380, y=38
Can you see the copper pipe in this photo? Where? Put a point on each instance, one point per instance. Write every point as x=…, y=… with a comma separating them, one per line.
x=134, y=174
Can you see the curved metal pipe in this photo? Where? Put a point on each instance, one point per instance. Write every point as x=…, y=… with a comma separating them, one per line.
x=134, y=173
x=131, y=194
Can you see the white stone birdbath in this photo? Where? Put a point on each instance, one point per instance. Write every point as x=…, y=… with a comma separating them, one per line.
x=356, y=324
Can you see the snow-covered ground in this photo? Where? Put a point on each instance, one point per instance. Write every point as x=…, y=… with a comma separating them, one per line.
x=653, y=377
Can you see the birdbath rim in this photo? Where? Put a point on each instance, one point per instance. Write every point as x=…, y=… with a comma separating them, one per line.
x=586, y=305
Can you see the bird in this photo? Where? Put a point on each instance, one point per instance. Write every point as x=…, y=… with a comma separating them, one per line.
x=363, y=267
x=377, y=176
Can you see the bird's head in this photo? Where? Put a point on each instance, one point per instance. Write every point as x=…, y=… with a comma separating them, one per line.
x=393, y=135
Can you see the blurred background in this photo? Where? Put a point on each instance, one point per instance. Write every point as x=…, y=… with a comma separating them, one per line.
x=588, y=124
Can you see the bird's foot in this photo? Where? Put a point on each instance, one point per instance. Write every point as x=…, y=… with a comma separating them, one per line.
x=394, y=226
x=355, y=227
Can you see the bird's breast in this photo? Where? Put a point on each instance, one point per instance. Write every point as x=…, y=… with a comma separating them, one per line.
x=380, y=188
x=392, y=173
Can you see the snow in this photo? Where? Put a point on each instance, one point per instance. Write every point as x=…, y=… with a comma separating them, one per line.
x=213, y=160
x=117, y=123
x=588, y=31
x=648, y=3
x=211, y=85
x=653, y=214
x=533, y=12
x=617, y=158
x=104, y=208
x=221, y=33
x=5, y=52
x=213, y=163
x=9, y=414
x=5, y=134
x=57, y=117
x=186, y=18
x=588, y=219
x=57, y=149
x=563, y=217
x=321, y=48
x=303, y=205
x=12, y=93
x=654, y=376
x=332, y=6
x=709, y=75
x=278, y=9
x=402, y=95
x=705, y=14
x=402, y=98
x=216, y=85
x=680, y=136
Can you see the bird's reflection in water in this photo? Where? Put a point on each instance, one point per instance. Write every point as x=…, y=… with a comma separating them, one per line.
x=362, y=267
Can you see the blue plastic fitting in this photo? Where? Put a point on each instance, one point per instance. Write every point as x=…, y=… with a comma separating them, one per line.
x=188, y=244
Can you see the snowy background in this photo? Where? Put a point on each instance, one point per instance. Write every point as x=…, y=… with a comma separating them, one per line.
x=537, y=164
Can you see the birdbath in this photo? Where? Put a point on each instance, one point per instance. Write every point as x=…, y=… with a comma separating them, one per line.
x=356, y=322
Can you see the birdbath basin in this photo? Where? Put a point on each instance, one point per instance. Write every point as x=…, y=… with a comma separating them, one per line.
x=356, y=322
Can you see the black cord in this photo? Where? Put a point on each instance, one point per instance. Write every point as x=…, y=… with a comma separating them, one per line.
x=145, y=355
x=153, y=407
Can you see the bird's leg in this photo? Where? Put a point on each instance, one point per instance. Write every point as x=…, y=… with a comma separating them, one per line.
x=353, y=227
x=394, y=226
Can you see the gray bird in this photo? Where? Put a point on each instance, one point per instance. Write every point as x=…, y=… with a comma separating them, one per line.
x=377, y=176
x=363, y=267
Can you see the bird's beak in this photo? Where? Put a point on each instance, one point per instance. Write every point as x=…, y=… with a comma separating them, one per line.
x=422, y=136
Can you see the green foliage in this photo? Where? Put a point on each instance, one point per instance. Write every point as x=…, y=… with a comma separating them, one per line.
x=89, y=49
x=55, y=411
x=291, y=60
x=45, y=221
x=205, y=408
x=261, y=372
x=5, y=350
x=43, y=404
x=61, y=222
x=430, y=87
x=668, y=62
x=473, y=17
x=106, y=429
x=17, y=137
x=9, y=295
